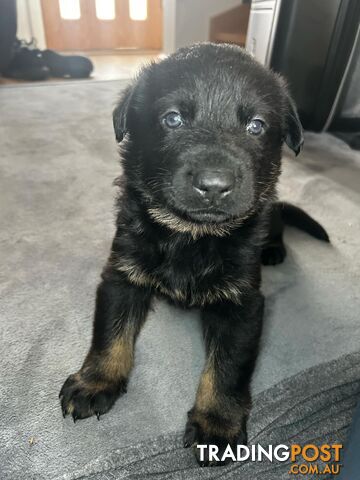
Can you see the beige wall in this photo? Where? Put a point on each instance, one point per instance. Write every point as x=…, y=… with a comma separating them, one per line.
x=193, y=18
x=169, y=25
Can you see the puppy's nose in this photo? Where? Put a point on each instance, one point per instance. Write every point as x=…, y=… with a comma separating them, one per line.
x=214, y=184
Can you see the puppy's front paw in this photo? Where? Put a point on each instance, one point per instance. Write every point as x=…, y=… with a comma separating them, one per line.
x=273, y=254
x=83, y=397
x=208, y=429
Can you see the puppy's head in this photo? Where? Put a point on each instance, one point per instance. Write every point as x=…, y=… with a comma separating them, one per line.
x=204, y=131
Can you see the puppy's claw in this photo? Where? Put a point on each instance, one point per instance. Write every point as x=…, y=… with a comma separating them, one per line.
x=97, y=415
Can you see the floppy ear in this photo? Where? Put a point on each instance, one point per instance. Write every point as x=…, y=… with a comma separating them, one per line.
x=294, y=137
x=120, y=114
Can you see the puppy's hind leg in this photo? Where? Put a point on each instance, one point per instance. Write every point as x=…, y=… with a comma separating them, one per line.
x=274, y=251
x=121, y=309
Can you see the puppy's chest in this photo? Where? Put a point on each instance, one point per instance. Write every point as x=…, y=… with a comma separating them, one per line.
x=190, y=275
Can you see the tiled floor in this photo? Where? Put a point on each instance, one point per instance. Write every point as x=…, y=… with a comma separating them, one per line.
x=108, y=65
x=112, y=67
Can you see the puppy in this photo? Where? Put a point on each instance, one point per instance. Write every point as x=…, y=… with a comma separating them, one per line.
x=202, y=133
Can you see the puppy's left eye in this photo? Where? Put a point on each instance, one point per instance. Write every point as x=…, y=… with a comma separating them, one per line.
x=172, y=120
x=255, y=127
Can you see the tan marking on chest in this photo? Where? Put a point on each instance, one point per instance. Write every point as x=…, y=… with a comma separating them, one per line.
x=226, y=288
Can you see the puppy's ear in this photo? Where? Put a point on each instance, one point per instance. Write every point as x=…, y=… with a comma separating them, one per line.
x=120, y=114
x=294, y=136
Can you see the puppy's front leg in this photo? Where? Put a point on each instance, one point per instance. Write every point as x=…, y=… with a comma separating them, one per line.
x=121, y=309
x=223, y=401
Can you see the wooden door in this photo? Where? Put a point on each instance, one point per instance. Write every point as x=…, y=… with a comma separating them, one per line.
x=88, y=32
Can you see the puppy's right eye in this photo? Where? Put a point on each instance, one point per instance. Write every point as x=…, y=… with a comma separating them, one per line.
x=255, y=127
x=172, y=120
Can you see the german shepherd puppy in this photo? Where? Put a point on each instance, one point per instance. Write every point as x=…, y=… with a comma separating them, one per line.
x=202, y=134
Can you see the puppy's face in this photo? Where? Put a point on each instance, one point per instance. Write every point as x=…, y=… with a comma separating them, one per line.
x=204, y=130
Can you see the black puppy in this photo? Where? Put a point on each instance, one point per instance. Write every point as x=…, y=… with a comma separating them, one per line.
x=204, y=131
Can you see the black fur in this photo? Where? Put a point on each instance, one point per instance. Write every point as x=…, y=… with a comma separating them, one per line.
x=193, y=221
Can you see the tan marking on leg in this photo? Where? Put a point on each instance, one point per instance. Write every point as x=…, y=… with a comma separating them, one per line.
x=215, y=413
x=117, y=361
x=69, y=408
x=206, y=396
x=108, y=367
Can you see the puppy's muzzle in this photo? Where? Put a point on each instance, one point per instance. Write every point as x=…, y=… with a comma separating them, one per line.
x=213, y=185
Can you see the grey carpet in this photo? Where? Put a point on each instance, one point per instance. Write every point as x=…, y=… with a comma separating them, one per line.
x=58, y=160
x=299, y=410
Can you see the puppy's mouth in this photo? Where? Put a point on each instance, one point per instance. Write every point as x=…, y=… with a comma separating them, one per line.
x=207, y=215
x=197, y=222
x=211, y=214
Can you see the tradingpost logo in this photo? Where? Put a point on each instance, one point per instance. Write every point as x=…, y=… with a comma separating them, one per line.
x=305, y=459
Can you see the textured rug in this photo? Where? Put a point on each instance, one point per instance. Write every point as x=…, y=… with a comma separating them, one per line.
x=58, y=161
x=313, y=407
